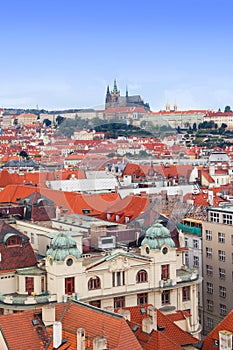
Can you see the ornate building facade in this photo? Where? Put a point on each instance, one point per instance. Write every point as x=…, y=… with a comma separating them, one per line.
x=154, y=274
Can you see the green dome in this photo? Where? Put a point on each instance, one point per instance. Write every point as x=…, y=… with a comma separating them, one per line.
x=157, y=235
x=62, y=246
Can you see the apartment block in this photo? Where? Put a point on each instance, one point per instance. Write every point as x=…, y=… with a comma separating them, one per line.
x=217, y=265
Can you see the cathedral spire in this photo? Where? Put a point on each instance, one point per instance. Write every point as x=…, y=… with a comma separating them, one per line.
x=126, y=92
x=115, y=89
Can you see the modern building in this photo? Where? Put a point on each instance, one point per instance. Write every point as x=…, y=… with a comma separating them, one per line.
x=217, y=265
x=192, y=231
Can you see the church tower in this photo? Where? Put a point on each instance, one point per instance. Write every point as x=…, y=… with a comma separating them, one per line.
x=115, y=93
x=108, y=96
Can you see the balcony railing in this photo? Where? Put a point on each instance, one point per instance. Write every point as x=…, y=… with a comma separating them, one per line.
x=166, y=283
x=19, y=299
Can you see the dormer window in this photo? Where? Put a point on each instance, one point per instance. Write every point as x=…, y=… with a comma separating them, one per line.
x=13, y=241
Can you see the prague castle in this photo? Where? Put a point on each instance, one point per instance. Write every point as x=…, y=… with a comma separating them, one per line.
x=114, y=99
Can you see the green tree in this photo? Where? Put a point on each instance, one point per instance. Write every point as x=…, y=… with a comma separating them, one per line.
x=227, y=109
x=59, y=119
x=47, y=122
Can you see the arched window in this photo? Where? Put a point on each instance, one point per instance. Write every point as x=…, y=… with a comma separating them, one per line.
x=13, y=241
x=94, y=283
x=141, y=276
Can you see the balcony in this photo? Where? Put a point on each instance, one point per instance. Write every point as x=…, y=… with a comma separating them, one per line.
x=166, y=283
x=19, y=299
x=185, y=274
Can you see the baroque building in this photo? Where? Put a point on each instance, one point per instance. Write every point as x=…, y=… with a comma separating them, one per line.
x=115, y=100
x=154, y=274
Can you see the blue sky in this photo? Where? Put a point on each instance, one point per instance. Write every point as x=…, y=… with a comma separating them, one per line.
x=62, y=53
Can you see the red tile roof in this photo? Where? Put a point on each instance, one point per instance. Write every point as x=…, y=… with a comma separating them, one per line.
x=15, y=256
x=225, y=324
x=74, y=202
x=172, y=335
x=21, y=334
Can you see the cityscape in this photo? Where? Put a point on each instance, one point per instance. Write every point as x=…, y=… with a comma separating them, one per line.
x=116, y=176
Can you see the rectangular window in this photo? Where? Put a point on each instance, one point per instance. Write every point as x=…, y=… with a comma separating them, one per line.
x=221, y=255
x=118, y=278
x=210, y=322
x=32, y=238
x=69, y=285
x=208, y=235
x=195, y=261
x=166, y=297
x=221, y=237
x=186, y=259
x=42, y=284
x=142, y=298
x=214, y=217
x=186, y=293
x=96, y=303
x=208, y=252
x=29, y=285
x=223, y=310
x=210, y=305
x=195, y=244
x=119, y=302
x=186, y=242
x=222, y=292
x=164, y=272
x=209, y=287
x=222, y=273
x=209, y=270
x=227, y=219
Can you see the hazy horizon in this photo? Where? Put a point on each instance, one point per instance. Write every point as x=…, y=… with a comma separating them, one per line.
x=63, y=54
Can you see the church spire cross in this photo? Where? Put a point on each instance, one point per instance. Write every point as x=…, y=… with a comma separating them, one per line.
x=115, y=89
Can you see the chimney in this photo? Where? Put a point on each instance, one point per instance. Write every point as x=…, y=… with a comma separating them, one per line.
x=58, y=213
x=150, y=322
x=211, y=197
x=125, y=314
x=225, y=340
x=80, y=339
x=57, y=334
x=48, y=314
x=100, y=343
x=212, y=170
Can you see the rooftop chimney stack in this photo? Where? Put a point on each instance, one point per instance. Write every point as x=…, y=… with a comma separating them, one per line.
x=100, y=343
x=57, y=334
x=150, y=322
x=48, y=314
x=80, y=339
x=225, y=340
x=125, y=314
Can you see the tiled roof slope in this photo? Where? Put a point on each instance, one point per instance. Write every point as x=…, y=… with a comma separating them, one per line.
x=171, y=335
x=20, y=334
x=17, y=256
x=74, y=202
x=225, y=324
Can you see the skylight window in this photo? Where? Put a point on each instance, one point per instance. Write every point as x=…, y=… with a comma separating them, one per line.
x=135, y=328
